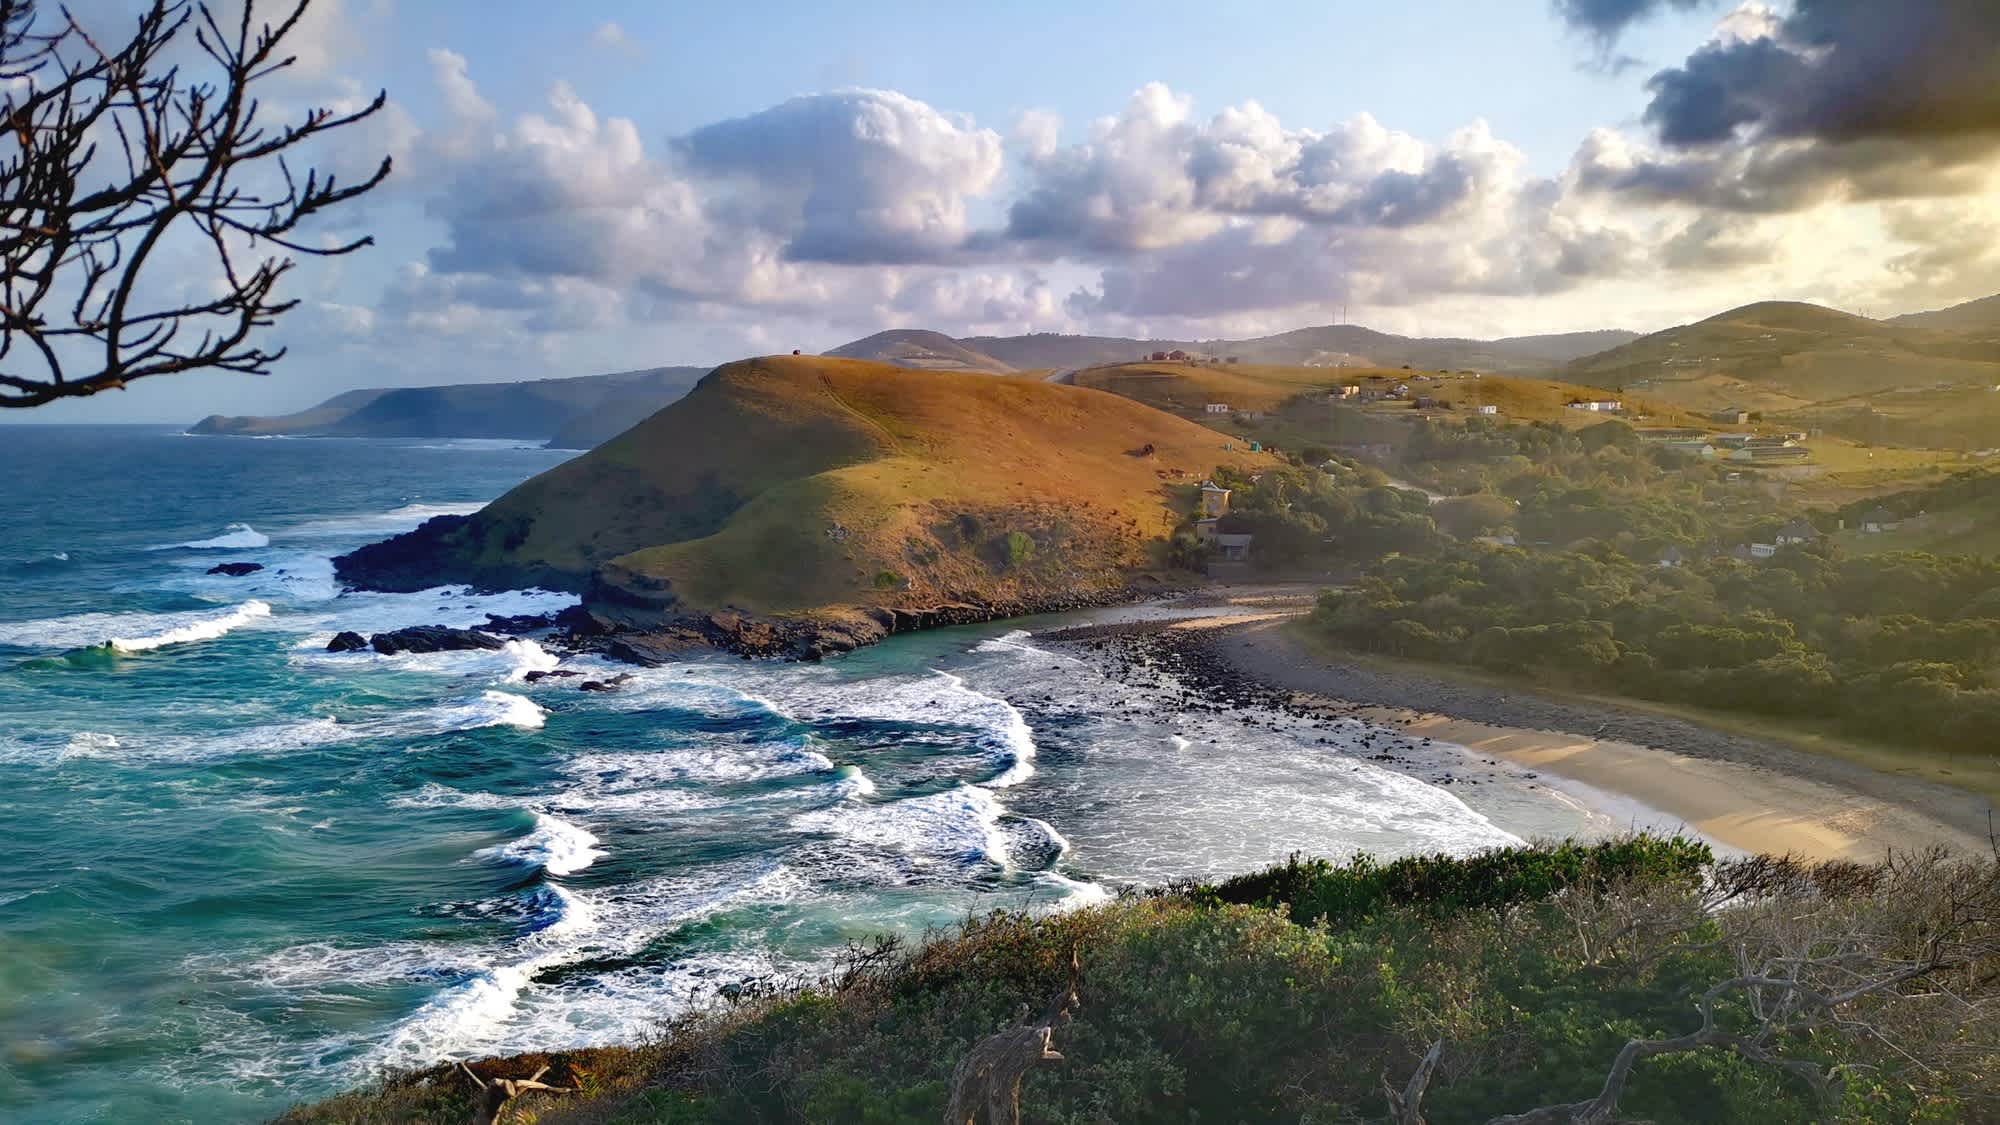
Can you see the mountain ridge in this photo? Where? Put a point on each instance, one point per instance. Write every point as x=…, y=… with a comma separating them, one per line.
x=588, y=408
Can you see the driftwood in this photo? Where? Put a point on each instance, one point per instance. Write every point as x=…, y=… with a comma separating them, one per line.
x=494, y=1095
x=986, y=1085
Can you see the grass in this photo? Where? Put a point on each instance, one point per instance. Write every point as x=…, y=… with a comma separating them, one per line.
x=1974, y=774
x=786, y=485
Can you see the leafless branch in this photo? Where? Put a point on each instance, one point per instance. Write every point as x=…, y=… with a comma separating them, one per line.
x=107, y=155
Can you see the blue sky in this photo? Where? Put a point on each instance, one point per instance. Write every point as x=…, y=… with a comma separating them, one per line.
x=593, y=187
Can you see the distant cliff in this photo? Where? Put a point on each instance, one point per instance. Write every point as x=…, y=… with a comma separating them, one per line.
x=567, y=413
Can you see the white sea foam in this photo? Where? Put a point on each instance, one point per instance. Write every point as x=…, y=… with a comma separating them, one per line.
x=484, y=1013
x=511, y=662
x=960, y=823
x=458, y=606
x=235, y=537
x=853, y=784
x=555, y=845
x=404, y=518
x=88, y=744
x=488, y=709
x=88, y=630
x=205, y=629
x=712, y=760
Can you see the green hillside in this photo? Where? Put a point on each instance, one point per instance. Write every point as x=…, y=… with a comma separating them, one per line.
x=788, y=485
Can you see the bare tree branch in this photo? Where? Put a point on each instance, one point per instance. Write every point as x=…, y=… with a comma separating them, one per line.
x=186, y=157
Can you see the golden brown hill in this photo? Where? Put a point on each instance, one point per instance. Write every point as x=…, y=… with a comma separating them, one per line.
x=787, y=485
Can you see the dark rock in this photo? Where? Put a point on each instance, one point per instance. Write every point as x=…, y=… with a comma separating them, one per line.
x=236, y=569
x=347, y=642
x=612, y=684
x=517, y=623
x=433, y=638
x=537, y=676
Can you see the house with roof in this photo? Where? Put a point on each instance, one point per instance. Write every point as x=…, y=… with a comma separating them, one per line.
x=1670, y=558
x=1598, y=406
x=1797, y=531
x=1880, y=520
x=1214, y=500
x=1215, y=408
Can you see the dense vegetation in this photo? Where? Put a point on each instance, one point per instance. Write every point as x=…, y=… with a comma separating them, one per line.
x=1898, y=645
x=1755, y=991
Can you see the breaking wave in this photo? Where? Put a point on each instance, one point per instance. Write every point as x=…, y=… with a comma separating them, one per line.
x=235, y=537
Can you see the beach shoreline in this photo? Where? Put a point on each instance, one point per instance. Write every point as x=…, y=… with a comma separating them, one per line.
x=1741, y=793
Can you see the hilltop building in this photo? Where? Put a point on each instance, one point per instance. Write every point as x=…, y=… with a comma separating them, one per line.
x=1599, y=406
x=1216, y=408
x=1731, y=416
x=1214, y=500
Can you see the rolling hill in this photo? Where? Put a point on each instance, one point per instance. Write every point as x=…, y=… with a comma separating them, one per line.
x=1981, y=317
x=929, y=351
x=1322, y=346
x=1811, y=367
x=567, y=413
x=808, y=487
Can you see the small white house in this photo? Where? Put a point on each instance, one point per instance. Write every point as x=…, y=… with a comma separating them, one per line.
x=1763, y=550
x=1489, y=410
x=1601, y=406
x=1216, y=408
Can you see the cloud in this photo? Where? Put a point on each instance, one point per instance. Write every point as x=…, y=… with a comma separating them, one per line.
x=857, y=176
x=612, y=38
x=1839, y=100
x=1606, y=20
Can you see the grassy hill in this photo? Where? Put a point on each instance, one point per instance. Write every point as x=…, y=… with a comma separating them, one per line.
x=1981, y=317
x=1325, y=344
x=787, y=485
x=1184, y=388
x=1906, y=382
x=931, y=351
x=568, y=413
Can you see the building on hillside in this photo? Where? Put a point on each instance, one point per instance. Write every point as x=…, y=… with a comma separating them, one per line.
x=1731, y=416
x=1489, y=410
x=1797, y=531
x=1177, y=355
x=1426, y=402
x=1778, y=453
x=1671, y=557
x=1763, y=550
x=1698, y=448
x=1158, y=357
x=1880, y=520
x=1348, y=391
x=1233, y=546
x=1729, y=441
x=1216, y=408
x=1598, y=406
x=1670, y=434
x=1214, y=500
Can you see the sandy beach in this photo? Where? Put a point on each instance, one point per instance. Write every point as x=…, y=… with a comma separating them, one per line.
x=1741, y=793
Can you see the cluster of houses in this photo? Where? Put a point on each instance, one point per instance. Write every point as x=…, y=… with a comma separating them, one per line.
x=1179, y=356
x=1229, y=546
x=1875, y=522
x=1785, y=448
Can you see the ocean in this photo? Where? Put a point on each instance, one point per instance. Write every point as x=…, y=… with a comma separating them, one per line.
x=245, y=872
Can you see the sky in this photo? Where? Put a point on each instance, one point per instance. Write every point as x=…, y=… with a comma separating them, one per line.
x=592, y=187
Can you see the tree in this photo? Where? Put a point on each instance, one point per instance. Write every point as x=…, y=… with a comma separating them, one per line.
x=115, y=155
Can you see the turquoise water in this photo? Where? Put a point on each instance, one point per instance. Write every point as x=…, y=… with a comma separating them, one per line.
x=245, y=872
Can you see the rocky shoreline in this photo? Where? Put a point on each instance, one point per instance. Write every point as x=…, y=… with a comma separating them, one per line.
x=1255, y=663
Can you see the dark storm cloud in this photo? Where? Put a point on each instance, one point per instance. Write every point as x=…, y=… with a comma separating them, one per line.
x=1841, y=100
x=1605, y=20
x=1842, y=70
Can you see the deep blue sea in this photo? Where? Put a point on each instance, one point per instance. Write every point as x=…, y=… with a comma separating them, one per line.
x=243, y=872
